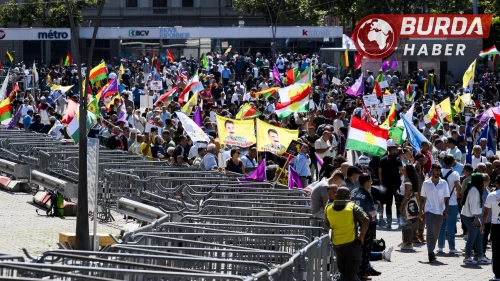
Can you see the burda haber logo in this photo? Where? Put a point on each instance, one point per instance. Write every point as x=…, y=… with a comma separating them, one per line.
x=377, y=36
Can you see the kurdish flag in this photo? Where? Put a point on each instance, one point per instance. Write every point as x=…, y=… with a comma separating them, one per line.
x=68, y=60
x=289, y=93
x=9, y=57
x=367, y=138
x=248, y=112
x=344, y=59
x=491, y=51
x=168, y=96
x=267, y=93
x=193, y=85
x=98, y=73
x=299, y=102
x=5, y=110
x=74, y=126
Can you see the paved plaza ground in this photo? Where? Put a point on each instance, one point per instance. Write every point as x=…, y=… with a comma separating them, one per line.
x=22, y=227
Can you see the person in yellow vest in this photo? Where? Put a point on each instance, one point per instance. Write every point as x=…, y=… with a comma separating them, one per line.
x=343, y=217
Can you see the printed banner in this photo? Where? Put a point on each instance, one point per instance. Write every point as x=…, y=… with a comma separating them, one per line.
x=389, y=99
x=274, y=139
x=370, y=99
x=193, y=130
x=155, y=85
x=236, y=132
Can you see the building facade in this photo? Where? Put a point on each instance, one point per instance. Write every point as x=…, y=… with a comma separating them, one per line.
x=150, y=13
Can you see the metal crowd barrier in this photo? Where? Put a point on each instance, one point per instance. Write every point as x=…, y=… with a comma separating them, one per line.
x=198, y=225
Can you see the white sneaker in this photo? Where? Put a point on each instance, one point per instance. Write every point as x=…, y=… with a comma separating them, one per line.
x=440, y=250
x=484, y=260
x=455, y=251
x=387, y=253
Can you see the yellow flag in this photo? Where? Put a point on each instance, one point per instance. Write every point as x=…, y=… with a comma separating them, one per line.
x=469, y=74
x=120, y=73
x=228, y=50
x=445, y=107
x=188, y=107
x=425, y=87
x=459, y=105
x=466, y=99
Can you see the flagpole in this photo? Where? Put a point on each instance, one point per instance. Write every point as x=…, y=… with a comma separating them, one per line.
x=82, y=219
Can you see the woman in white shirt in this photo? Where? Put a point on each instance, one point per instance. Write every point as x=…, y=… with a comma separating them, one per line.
x=470, y=216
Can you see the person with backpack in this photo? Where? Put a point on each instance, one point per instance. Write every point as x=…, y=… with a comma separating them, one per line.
x=449, y=224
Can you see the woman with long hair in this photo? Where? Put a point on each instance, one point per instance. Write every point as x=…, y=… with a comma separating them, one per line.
x=470, y=216
x=409, y=206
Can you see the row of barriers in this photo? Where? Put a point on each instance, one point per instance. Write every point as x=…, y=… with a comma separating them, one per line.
x=197, y=224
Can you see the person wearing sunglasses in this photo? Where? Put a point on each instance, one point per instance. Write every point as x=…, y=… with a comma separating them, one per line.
x=234, y=164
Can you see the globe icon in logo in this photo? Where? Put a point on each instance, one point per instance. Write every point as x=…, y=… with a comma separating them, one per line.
x=375, y=38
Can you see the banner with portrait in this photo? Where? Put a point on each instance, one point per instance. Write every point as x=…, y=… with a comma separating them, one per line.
x=232, y=132
x=274, y=139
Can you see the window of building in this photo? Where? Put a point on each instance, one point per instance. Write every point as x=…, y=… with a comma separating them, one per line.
x=228, y=3
x=187, y=3
x=131, y=3
x=160, y=3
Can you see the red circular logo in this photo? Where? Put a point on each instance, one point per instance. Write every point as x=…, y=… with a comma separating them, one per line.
x=375, y=37
x=2, y=34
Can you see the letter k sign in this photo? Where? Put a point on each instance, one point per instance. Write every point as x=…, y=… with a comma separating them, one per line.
x=304, y=32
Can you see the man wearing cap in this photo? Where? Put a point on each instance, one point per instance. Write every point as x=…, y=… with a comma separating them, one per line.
x=389, y=174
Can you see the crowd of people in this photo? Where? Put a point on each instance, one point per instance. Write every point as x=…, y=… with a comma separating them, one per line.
x=432, y=188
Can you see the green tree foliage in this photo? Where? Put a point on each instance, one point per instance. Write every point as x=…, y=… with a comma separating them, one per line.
x=282, y=11
x=42, y=12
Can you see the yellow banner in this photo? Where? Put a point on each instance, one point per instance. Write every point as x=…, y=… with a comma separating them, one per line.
x=235, y=132
x=274, y=139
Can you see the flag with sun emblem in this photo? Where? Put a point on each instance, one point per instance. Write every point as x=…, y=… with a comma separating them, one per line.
x=299, y=101
x=366, y=137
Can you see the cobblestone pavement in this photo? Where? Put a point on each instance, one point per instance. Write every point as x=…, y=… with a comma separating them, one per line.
x=414, y=265
x=21, y=227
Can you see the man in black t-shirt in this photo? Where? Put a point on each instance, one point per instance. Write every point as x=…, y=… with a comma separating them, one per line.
x=181, y=152
x=389, y=173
